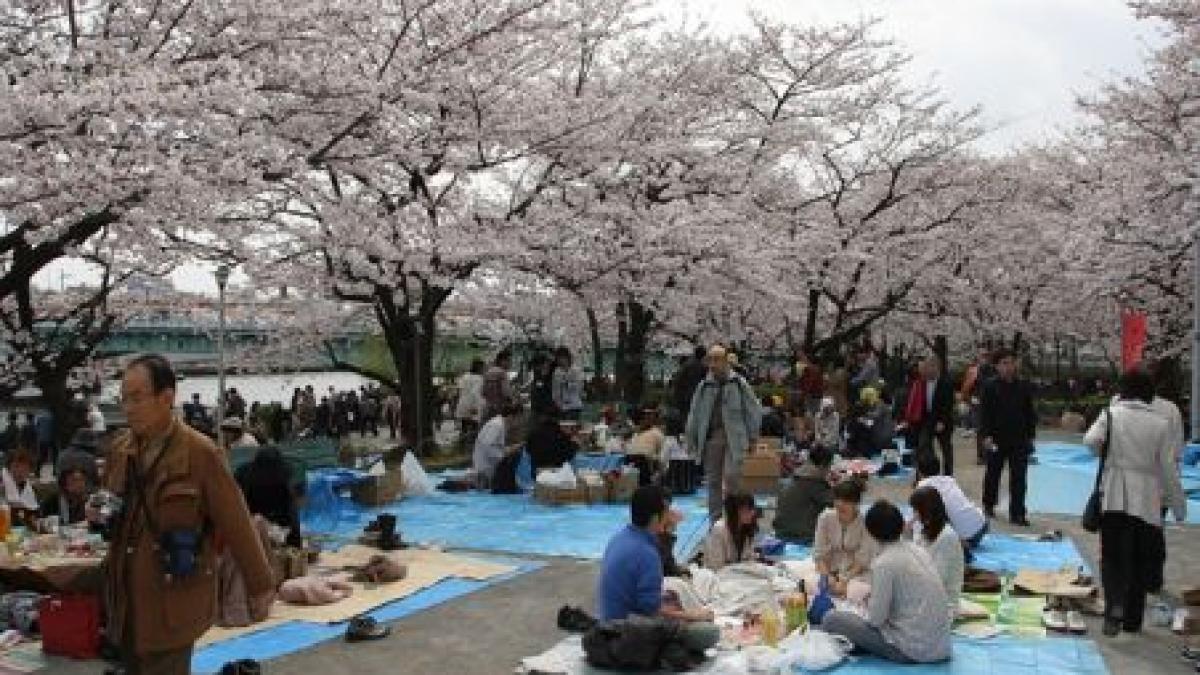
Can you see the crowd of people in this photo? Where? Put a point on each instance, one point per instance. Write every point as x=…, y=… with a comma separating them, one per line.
x=905, y=576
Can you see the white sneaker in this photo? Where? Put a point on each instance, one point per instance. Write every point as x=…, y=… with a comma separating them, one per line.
x=1054, y=619
x=1075, y=622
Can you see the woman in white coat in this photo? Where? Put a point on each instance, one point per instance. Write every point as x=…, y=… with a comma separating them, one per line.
x=1138, y=483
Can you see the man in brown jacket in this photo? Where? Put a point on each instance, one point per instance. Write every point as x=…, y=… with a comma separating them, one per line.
x=175, y=487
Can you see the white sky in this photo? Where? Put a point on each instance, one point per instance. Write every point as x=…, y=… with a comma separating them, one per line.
x=1023, y=61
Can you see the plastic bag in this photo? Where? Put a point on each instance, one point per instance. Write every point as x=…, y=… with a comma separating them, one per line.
x=814, y=650
x=563, y=477
x=416, y=482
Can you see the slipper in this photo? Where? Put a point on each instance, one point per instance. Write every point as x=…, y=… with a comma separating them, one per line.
x=574, y=620
x=1054, y=619
x=363, y=628
x=1075, y=623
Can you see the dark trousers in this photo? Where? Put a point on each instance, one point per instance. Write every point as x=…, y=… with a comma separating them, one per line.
x=682, y=476
x=1017, y=459
x=1128, y=564
x=174, y=662
x=945, y=442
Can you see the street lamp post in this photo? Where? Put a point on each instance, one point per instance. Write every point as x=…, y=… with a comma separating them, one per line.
x=222, y=275
x=419, y=383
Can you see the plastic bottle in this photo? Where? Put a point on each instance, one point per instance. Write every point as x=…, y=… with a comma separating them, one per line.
x=772, y=624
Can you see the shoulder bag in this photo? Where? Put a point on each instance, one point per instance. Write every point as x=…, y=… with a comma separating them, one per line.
x=1094, y=509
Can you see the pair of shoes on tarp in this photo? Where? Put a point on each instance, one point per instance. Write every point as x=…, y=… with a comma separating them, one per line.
x=575, y=620
x=1057, y=617
x=242, y=667
x=363, y=628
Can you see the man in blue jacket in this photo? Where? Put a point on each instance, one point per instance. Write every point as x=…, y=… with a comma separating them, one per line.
x=631, y=574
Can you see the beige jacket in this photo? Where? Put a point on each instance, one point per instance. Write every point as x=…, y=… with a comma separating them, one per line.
x=840, y=546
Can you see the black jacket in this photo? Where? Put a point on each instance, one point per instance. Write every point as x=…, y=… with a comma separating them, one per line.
x=943, y=404
x=549, y=447
x=800, y=503
x=1007, y=414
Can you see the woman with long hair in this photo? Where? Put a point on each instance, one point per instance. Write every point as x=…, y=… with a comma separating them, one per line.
x=731, y=539
x=940, y=540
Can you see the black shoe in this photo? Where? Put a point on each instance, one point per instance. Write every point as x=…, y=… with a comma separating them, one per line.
x=989, y=511
x=1020, y=522
x=242, y=667
x=1112, y=627
x=364, y=628
x=574, y=620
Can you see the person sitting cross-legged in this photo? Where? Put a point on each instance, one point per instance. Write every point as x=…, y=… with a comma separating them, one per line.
x=906, y=617
x=631, y=573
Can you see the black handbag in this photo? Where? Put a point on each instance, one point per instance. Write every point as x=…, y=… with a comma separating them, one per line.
x=1092, y=512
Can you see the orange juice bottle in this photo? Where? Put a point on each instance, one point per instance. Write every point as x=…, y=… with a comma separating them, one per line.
x=5, y=520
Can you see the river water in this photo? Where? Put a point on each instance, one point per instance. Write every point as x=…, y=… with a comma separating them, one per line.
x=261, y=388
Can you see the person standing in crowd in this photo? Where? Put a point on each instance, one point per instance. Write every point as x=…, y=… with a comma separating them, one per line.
x=177, y=491
x=1140, y=478
x=906, y=618
x=723, y=422
x=1008, y=425
x=391, y=412
x=631, y=573
x=469, y=406
x=1169, y=412
x=937, y=424
x=689, y=376
x=497, y=389
x=323, y=418
x=196, y=415
x=568, y=385
x=811, y=384
x=370, y=414
x=235, y=405
x=541, y=388
x=985, y=372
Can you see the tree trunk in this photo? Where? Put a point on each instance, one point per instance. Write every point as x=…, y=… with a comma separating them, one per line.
x=618, y=390
x=941, y=349
x=636, y=337
x=810, y=323
x=410, y=341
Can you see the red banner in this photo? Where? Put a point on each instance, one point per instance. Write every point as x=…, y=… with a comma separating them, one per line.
x=1133, y=338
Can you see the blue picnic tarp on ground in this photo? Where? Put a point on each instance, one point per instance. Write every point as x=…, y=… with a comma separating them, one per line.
x=996, y=656
x=1062, y=480
x=296, y=636
x=503, y=523
x=1001, y=553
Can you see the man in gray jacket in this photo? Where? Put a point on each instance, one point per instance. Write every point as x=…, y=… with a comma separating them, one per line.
x=723, y=438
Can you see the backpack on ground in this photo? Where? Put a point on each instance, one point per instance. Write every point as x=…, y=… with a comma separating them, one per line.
x=638, y=644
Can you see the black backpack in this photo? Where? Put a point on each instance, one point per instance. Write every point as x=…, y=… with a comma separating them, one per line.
x=638, y=644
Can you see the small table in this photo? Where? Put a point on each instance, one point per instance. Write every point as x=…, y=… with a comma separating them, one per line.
x=52, y=574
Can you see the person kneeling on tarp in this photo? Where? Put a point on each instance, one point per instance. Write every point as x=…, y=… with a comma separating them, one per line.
x=843, y=550
x=966, y=518
x=906, y=618
x=631, y=573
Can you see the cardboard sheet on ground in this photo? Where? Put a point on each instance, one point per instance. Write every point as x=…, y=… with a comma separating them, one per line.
x=472, y=520
x=1003, y=654
x=1056, y=583
x=425, y=569
x=294, y=636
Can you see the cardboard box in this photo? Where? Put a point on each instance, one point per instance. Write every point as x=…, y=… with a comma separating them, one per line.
x=760, y=485
x=1186, y=621
x=761, y=465
x=379, y=490
x=556, y=496
x=620, y=490
x=1191, y=596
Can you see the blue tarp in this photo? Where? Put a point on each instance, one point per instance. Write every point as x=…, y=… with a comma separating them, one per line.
x=1062, y=480
x=296, y=636
x=996, y=656
x=505, y=523
x=1001, y=553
